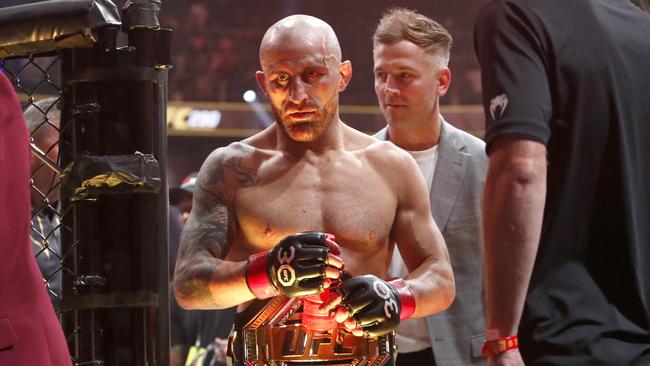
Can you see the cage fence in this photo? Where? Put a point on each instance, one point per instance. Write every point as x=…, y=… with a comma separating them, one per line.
x=95, y=112
x=37, y=82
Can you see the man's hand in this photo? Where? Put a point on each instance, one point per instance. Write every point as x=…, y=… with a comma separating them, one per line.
x=299, y=265
x=371, y=306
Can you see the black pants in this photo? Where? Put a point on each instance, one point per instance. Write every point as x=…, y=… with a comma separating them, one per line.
x=419, y=358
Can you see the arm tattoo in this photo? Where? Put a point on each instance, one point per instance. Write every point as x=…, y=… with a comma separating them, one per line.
x=245, y=177
x=206, y=238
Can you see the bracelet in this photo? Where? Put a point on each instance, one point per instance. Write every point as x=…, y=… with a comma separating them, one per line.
x=493, y=348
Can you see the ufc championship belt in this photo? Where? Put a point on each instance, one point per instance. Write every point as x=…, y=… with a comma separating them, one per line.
x=293, y=331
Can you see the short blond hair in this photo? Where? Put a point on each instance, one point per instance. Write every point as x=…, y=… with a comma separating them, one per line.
x=400, y=24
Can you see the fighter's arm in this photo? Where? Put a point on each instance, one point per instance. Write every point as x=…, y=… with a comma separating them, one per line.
x=203, y=279
x=421, y=244
x=374, y=306
x=300, y=264
x=513, y=207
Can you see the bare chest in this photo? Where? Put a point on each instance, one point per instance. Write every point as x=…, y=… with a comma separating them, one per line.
x=352, y=202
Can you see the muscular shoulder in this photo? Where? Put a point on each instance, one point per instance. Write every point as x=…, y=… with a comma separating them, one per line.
x=386, y=151
x=400, y=172
x=357, y=140
x=390, y=160
x=228, y=168
x=236, y=152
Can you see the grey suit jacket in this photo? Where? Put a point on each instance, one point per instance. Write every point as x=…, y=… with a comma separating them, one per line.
x=457, y=334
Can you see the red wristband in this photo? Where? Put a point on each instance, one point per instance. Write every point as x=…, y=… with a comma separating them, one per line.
x=405, y=296
x=256, y=277
x=493, y=348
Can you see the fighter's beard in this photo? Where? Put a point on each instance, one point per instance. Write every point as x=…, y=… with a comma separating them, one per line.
x=311, y=129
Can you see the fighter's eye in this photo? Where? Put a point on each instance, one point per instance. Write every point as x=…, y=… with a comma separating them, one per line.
x=313, y=75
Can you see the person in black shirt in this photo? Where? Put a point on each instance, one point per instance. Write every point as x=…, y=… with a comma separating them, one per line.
x=567, y=205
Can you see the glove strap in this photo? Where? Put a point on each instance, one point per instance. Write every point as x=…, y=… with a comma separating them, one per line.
x=405, y=296
x=256, y=277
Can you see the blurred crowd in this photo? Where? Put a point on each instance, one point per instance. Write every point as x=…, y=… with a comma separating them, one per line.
x=215, y=45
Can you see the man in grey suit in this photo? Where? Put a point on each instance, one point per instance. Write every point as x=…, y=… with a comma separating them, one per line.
x=411, y=53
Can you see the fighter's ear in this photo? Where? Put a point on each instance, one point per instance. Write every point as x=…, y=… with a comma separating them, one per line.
x=345, y=71
x=259, y=75
x=444, y=79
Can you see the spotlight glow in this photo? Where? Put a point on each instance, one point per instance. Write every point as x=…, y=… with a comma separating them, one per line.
x=250, y=96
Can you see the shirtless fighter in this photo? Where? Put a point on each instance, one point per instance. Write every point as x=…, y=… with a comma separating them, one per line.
x=277, y=217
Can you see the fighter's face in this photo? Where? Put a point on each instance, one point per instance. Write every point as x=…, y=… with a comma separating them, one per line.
x=302, y=85
x=406, y=83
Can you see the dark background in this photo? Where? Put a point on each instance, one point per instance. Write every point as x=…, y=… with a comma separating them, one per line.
x=215, y=55
x=216, y=43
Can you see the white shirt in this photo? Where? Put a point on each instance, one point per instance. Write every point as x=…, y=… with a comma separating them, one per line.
x=412, y=333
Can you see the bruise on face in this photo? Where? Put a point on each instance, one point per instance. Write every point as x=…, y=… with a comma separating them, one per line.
x=327, y=52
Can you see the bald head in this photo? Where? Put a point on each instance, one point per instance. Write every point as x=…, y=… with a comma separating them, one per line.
x=297, y=32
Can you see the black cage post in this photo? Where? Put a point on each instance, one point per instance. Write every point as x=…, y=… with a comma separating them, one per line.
x=114, y=260
x=115, y=100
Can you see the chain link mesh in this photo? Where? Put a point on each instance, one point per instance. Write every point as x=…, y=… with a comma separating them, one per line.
x=37, y=82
